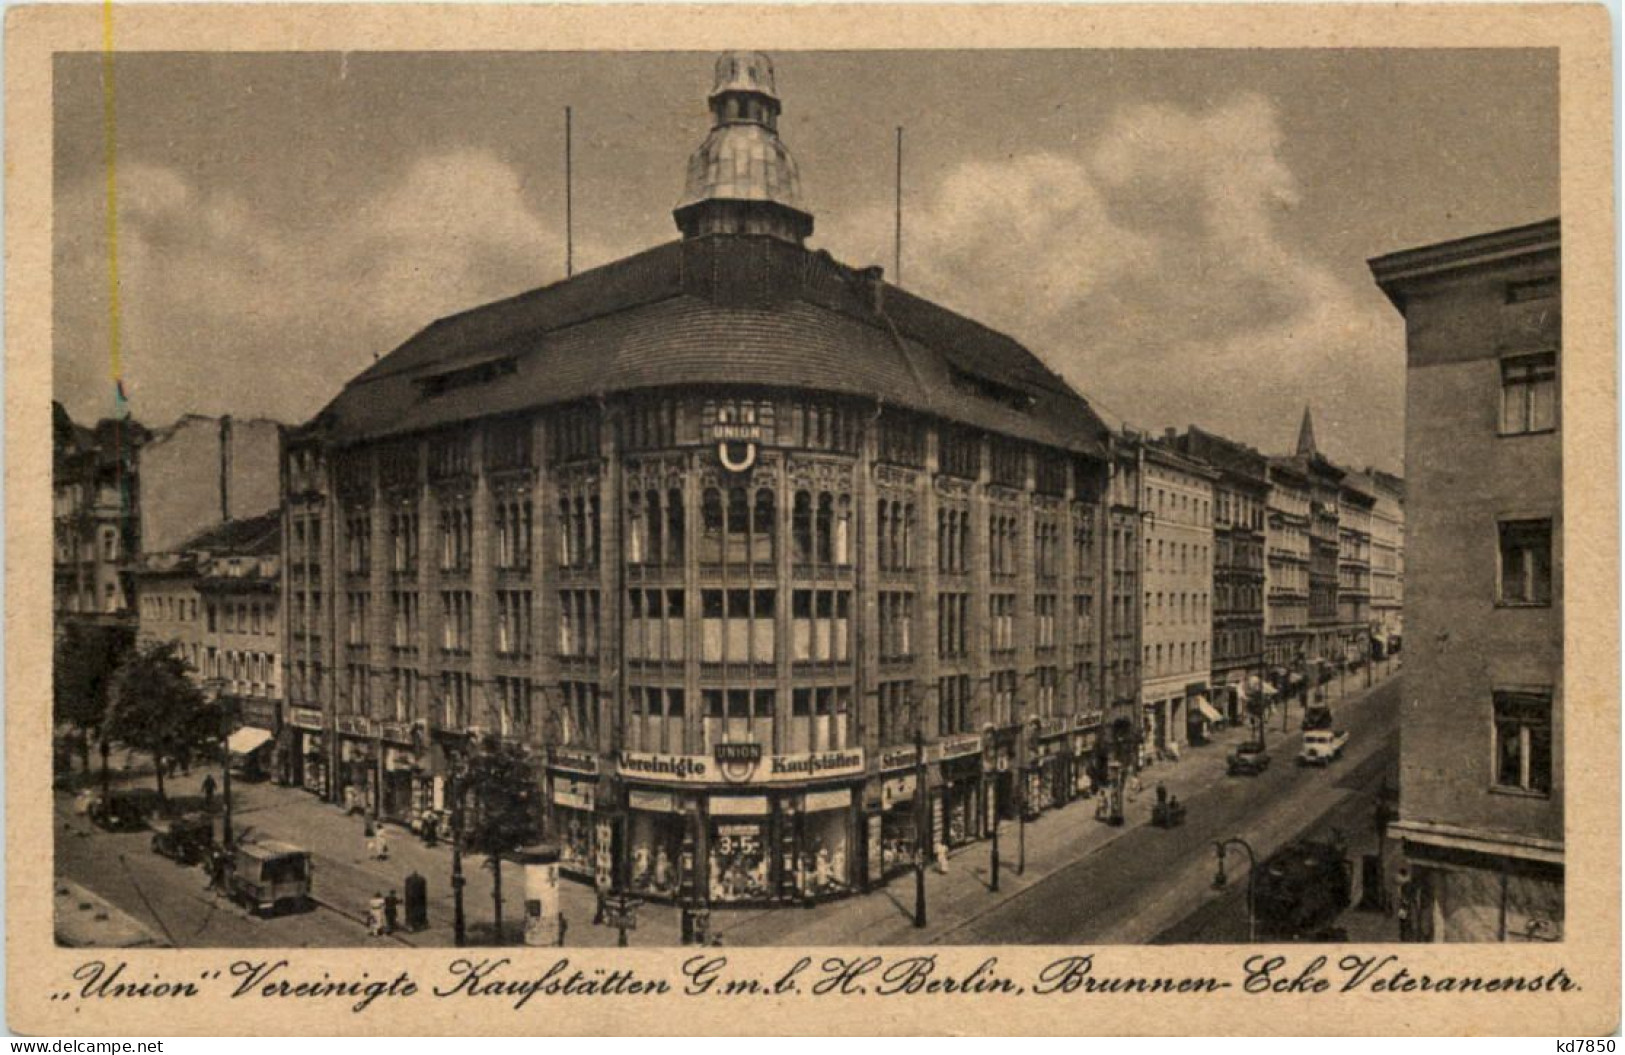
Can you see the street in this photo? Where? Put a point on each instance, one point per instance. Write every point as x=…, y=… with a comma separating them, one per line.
x=1083, y=881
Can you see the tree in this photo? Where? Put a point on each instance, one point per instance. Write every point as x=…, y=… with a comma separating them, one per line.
x=84, y=661
x=499, y=785
x=157, y=708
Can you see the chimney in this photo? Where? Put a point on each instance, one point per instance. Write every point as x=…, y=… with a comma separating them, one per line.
x=875, y=277
x=225, y=468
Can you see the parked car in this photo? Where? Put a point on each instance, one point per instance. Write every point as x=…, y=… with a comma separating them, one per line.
x=1322, y=747
x=185, y=839
x=119, y=813
x=1250, y=759
x=1317, y=716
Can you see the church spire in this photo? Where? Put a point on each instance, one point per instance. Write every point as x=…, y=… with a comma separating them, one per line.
x=742, y=179
x=1306, y=435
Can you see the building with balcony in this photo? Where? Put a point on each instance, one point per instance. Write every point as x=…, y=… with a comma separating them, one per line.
x=1481, y=735
x=1176, y=620
x=1354, y=506
x=1387, y=560
x=1286, y=572
x=96, y=502
x=742, y=543
x=217, y=596
x=1240, y=498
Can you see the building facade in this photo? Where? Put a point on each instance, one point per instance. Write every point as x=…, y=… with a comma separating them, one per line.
x=217, y=596
x=1387, y=560
x=1123, y=613
x=1286, y=573
x=1481, y=747
x=1176, y=642
x=780, y=571
x=96, y=501
x=1354, y=506
x=1240, y=498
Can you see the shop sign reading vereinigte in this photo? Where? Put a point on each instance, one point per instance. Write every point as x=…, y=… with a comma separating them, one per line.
x=737, y=767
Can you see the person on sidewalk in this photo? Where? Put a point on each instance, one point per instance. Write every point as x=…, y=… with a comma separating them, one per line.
x=392, y=906
x=208, y=793
x=381, y=842
x=375, y=915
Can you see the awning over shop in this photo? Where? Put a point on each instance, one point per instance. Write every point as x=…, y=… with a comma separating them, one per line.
x=247, y=740
x=1206, y=709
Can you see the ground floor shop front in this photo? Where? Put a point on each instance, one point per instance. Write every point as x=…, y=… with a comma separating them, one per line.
x=689, y=828
x=1456, y=895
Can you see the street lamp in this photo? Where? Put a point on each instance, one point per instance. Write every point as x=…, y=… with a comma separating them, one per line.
x=226, y=705
x=922, y=825
x=1023, y=773
x=1220, y=880
x=990, y=781
x=455, y=763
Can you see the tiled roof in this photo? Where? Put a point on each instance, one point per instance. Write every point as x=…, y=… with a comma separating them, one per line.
x=718, y=310
x=249, y=537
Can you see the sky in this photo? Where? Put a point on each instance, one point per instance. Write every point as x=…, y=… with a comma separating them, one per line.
x=1182, y=235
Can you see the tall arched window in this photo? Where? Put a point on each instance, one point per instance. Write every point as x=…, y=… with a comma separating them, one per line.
x=654, y=552
x=763, y=528
x=801, y=528
x=843, y=532
x=636, y=542
x=738, y=526
x=711, y=527
x=675, y=528
x=824, y=530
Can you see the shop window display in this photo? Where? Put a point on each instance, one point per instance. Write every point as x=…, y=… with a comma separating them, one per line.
x=656, y=845
x=898, y=839
x=575, y=842
x=738, y=863
x=826, y=853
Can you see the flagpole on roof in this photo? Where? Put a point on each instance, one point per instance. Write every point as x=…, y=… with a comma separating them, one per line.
x=569, y=202
x=897, y=244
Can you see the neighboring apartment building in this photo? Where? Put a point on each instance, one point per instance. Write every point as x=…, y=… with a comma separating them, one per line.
x=1176, y=498
x=1240, y=496
x=717, y=530
x=1387, y=560
x=217, y=597
x=96, y=499
x=1122, y=628
x=1481, y=746
x=1354, y=505
x=1286, y=580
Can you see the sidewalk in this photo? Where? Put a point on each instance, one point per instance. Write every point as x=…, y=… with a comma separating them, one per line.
x=345, y=877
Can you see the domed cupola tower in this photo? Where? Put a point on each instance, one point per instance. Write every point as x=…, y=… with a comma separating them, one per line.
x=742, y=179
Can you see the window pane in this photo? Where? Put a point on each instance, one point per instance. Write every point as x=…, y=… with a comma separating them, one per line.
x=1543, y=405
x=1540, y=758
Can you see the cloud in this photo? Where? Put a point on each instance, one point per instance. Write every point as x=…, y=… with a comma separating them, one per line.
x=1147, y=264
x=215, y=295
x=1149, y=268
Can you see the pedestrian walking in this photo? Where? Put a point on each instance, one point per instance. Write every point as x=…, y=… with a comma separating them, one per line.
x=369, y=838
x=382, y=842
x=375, y=915
x=208, y=792
x=392, y=906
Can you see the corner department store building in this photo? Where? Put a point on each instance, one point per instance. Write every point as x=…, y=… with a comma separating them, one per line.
x=713, y=529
